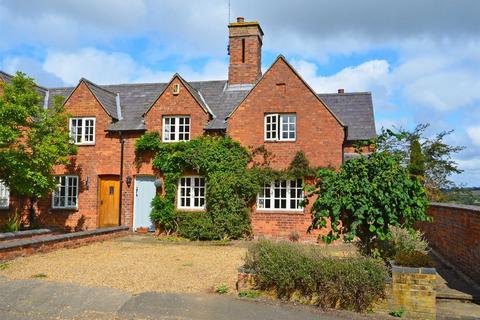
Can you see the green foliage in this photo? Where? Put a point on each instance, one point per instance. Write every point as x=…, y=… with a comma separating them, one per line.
x=150, y=141
x=223, y=163
x=416, y=167
x=222, y=289
x=231, y=186
x=300, y=167
x=437, y=156
x=304, y=273
x=251, y=294
x=407, y=241
x=13, y=223
x=365, y=197
x=39, y=275
x=415, y=259
x=32, y=139
x=398, y=313
x=3, y=266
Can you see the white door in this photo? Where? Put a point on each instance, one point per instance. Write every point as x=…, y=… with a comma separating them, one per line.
x=145, y=191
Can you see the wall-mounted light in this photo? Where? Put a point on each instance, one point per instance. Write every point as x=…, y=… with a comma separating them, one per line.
x=158, y=183
x=87, y=183
x=129, y=181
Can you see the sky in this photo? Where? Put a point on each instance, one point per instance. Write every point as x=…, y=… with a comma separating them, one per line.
x=419, y=58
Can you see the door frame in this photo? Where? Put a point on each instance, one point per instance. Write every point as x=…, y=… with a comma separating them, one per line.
x=134, y=190
x=99, y=184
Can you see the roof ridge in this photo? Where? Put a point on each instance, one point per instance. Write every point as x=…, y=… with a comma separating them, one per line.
x=345, y=93
x=97, y=86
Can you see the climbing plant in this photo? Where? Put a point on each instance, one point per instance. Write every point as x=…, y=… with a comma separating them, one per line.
x=231, y=184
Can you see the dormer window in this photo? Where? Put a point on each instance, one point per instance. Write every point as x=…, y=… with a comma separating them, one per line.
x=280, y=127
x=82, y=131
x=176, y=128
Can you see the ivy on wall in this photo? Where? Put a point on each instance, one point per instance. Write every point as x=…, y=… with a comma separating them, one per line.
x=231, y=184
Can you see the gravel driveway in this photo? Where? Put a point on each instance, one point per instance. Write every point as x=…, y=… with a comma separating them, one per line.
x=137, y=263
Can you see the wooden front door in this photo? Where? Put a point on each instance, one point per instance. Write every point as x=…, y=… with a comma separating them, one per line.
x=108, y=201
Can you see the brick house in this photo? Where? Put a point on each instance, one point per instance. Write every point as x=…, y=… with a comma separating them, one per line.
x=104, y=185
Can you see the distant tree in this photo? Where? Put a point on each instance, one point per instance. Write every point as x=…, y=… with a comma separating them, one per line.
x=32, y=140
x=416, y=166
x=434, y=155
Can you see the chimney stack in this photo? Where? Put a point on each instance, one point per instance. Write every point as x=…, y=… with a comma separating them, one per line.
x=245, y=49
x=341, y=91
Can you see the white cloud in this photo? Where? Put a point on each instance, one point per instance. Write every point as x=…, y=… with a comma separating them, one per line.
x=358, y=78
x=474, y=134
x=106, y=68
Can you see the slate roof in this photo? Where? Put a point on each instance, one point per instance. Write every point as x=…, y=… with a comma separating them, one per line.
x=355, y=110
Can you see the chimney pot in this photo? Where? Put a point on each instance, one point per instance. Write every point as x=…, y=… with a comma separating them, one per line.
x=240, y=19
x=341, y=90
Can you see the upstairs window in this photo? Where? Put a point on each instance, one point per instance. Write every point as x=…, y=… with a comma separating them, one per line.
x=281, y=195
x=280, y=127
x=66, y=194
x=191, y=193
x=82, y=130
x=176, y=128
x=4, y=196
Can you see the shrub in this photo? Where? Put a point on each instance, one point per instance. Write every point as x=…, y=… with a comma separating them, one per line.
x=13, y=223
x=196, y=226
x=405, y=240
x=415, y=259
x=304, y=273
x=365, y=197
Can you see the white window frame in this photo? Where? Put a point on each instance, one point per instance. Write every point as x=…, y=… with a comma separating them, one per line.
x=192, y=193
x=278, y=120
x=4, y=196
x=67, y=195
x=83, y=134
x=166, y=135
x=270, y=189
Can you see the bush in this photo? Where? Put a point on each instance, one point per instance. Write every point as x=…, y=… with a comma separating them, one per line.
x=404, y=241
x=196, y=226
x=305, y=274
x=12, y=224
x=415, y=259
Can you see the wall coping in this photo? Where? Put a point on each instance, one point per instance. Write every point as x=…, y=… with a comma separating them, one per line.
x=401, y=269
x=455, y=206
x=59, y=237
x=26, y=233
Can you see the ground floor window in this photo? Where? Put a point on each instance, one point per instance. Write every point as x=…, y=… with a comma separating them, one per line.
x=281, y=195
x=66, y=194
x=191, y=193
x=4, y=196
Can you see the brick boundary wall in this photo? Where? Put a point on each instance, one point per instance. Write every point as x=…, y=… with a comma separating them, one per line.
x=25, y=247
x=411, y=290
x=14, y=236
x=455, y=235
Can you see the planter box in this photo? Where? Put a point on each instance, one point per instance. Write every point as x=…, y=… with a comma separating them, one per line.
x=411, y=290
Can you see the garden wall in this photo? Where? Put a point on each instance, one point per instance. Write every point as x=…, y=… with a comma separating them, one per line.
x=25, y=247
x=455, y=235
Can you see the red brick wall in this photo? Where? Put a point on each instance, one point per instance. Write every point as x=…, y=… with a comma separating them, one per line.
x=249, y=71
x=319, y=136
x=181, y=104
x=455, y=235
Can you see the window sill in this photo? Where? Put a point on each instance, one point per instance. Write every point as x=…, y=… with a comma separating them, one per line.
x=280, y=141
x=191, y=209
x=273, y=211
x=84, y=144
x=65, y=209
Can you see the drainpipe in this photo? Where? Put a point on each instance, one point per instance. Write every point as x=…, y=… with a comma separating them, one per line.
x=122, y=143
